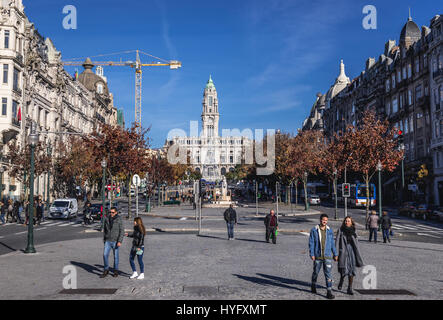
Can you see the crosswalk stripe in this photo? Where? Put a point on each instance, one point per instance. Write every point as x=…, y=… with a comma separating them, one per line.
x=20, y=232
x=54, y=224
x=65, y=224
x=408, y=227
x=431, y=228
x=41, y=228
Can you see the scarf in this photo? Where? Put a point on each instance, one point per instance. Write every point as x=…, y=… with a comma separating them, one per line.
x=349, y=232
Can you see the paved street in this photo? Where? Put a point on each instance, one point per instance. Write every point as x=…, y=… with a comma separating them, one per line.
x=181, y=265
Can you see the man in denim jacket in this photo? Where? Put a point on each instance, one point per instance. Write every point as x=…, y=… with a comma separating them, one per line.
x=322, y=250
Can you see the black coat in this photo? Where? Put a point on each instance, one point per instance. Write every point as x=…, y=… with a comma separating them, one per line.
x=385, y=222
x=230, y=215
x=138, y=237
x=268, y=221
x=341, y=242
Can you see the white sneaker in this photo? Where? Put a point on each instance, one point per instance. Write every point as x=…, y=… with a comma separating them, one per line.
x=141, y=276
x=134, y=275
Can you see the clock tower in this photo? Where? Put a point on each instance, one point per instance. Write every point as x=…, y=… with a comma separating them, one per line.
x=210, y=114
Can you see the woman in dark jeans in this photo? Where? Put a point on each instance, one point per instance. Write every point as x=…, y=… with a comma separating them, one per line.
x=138, y=248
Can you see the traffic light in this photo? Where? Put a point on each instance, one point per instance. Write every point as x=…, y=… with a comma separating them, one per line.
x=400, y=137
x=201, y=187
x=346, y=190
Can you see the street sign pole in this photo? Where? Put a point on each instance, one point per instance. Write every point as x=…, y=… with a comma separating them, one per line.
x=136, y=182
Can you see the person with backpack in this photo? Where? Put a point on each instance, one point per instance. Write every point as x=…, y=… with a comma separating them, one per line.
x=271, y=223
x=138, y=248
x=386, y=226
x=231, y=219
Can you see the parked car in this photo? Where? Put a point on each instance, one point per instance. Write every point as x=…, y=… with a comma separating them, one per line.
x=63, y=209
x=439, y=214
x=406, y=209
x=314, y=199
x=424, y=211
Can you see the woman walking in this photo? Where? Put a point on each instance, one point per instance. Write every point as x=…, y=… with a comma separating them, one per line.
x=348, y=253
x=386, y=226
x=138, y=248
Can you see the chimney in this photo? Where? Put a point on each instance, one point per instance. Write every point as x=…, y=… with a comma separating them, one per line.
x=388, y=47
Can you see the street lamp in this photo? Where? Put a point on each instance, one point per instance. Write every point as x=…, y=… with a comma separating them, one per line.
x=335, y=193
x=49, y=151
x=2, y=169
x=379, y=168
x=33, y=140
x=305, y=176
x=103, y=164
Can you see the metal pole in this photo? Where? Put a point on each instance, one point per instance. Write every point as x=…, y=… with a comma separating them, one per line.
x=30, y=248
x=200, y=215
x=1, y=185
x=379, y=194
x=335, y=193
x=256, y=198
x=136, y=200
x=276, y=196
x=345, y=199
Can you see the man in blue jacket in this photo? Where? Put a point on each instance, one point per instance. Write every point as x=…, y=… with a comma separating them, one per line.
x=322, y=250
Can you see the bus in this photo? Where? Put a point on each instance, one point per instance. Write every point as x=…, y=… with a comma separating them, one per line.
x=358, y=195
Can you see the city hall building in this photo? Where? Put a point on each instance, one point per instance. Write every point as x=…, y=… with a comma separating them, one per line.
x=209, y=153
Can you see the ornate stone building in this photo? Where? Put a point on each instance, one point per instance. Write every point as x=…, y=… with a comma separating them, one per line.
x=36, y=88
x=398, y=87
x=210, y=154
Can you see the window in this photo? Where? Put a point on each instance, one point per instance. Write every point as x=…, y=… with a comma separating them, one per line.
x=406, y=126
x=4, y=106
x=16, y=78
x=210, y=102
x=7, y=34
x=100, y=88
x=5, y=73
x=393, y=81
x=411, y=123
x=404, y=73
x=418, y=93
x=395, y=105
x=410, y=97
x=399, y=76
x=417, y=65
x=436, y=100
x=14, y=109
x=401, y=101
x=425, y=60
x=409, y=70
x=388, y=85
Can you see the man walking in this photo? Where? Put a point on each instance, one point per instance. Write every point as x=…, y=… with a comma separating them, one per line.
x=40, y=211
x=113, y=233
x=2, y=213
x=386, y=226
x=372, y=223
x=322, y=250
x=271, y=224
x=231, y=219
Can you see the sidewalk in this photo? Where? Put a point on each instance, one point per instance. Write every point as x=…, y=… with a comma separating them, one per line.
x=185, y=266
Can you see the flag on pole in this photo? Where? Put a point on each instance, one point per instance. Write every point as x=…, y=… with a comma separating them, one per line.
x=19, y=114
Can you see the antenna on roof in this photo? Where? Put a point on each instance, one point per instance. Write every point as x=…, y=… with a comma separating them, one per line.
x=410, y=16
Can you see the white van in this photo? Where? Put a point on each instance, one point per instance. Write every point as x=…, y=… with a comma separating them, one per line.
x=63, y=209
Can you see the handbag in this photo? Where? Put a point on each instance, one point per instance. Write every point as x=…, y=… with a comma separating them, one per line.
x=391, y=233
x=139, y=252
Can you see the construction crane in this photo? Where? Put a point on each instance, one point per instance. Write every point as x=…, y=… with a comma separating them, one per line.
x=137, y=65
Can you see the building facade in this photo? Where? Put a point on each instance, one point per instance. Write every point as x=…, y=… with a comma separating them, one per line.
x=209, y=153
x=35, y=88
x=402, y=85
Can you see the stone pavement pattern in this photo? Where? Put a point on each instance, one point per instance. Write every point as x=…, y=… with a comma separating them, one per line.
x=184, y=266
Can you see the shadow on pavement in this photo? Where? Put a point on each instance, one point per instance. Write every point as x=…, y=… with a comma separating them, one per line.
x=8, y=247
x=95, y=269
x=213, y=237
x=275, y=281
x=250, y=240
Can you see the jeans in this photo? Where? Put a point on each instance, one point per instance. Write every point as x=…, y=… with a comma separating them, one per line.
x=373, y=231
x=2, y=218
x=139, y=258
x=327, y=269
x=230, y=229
x=108, y=246
x=386, y=234
x=270, y=233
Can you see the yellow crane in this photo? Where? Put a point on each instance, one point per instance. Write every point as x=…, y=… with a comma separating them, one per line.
x=137, y=65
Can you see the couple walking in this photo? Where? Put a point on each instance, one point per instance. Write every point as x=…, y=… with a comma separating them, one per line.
x=113, y=232
x=374, y=223
x=323, y=249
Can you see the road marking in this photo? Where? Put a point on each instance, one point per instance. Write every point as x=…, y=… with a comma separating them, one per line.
x=77, y=225
x=428, y=235
x=65, y=224
x=46, y=222
x=20, y=232
x=396, y=228
x=55, y=224
x=305, y=233
x=431, y=228
x=408, y=227
x=41, y=228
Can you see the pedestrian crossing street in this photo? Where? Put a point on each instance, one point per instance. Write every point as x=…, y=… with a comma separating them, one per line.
x=424, y=230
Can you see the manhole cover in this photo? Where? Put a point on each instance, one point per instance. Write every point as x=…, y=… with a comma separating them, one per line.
x=88, y=291
x=200, y=290
x=385, y=292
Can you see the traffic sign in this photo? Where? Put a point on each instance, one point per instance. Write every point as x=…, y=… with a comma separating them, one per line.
x=136, y=180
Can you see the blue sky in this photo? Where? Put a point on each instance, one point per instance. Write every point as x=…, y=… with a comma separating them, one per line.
x=268, y=59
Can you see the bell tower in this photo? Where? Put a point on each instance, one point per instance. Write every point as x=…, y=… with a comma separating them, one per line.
x=210, y=114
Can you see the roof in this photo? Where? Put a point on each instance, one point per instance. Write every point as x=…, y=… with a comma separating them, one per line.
x=410, y=31
x=210, y=83
x=90, y=80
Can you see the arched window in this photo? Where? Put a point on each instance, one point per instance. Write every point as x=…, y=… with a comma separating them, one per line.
x=100, y=88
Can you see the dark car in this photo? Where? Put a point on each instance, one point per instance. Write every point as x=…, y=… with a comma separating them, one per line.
x=406, y=209
x=425, y=212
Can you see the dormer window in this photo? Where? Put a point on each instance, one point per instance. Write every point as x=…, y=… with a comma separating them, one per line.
x=100, y=88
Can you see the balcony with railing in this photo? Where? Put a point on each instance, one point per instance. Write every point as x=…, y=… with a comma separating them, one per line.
x=437, y=75
x=16, y=123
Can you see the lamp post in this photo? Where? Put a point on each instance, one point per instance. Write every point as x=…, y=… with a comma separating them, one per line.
x=335, y=193
x=379, y=168
x=346, y=199
x=402, y=147
x=33, y=140
x=2, y=169
x=103, y=164
x=256, y=198
x=49, y=151
x=276, y=195
x=305, y=176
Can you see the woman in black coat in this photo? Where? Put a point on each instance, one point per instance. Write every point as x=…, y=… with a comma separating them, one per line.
x=348, y=254
x=138, y=248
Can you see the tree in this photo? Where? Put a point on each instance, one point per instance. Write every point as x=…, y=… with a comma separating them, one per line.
x=372, y=141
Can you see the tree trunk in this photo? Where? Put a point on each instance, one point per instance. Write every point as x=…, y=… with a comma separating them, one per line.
x=296, y=194
x=112, y=191
x=305, y=184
